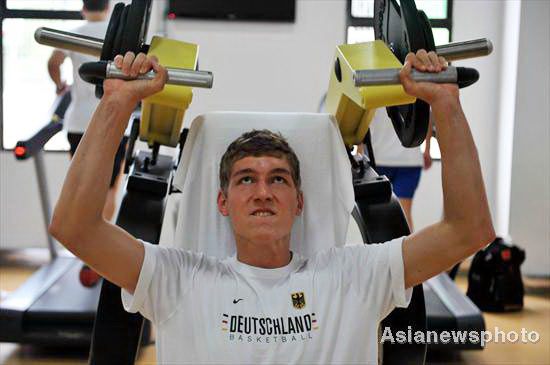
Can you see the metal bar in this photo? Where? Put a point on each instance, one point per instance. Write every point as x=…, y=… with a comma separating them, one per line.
x=468, y=49
x=69, y=41
x=390, y=76
x=44, y=198
x=176, y=76
x=93, y=46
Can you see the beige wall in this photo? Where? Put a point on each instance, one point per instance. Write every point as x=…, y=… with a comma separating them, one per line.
x=285, y=67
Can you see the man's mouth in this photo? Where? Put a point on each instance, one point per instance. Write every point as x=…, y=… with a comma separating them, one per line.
x=263, y=213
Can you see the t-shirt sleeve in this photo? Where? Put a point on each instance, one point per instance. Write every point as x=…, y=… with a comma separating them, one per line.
x=376, y=273
x=165, y=276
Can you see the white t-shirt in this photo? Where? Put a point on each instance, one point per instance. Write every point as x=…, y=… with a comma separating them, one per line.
x=83, y=100
x=325, y=309
x=388, y=150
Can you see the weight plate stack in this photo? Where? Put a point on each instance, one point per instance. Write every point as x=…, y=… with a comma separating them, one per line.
x=126, y=32
x=404, y=29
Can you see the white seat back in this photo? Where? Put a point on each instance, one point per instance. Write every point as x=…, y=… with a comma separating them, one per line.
x=325, y=172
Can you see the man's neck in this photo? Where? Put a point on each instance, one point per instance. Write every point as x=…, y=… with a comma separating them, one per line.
x=266, y=255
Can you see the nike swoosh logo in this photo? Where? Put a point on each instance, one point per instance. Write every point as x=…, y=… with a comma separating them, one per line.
x=235, y=301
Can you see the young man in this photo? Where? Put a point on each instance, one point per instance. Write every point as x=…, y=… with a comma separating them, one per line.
x=266, y=304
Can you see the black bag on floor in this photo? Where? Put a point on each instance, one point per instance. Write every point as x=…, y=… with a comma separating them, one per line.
x=494, y=280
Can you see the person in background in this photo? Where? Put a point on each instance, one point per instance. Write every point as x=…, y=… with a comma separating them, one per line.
x=402, y=166
x=84, y=102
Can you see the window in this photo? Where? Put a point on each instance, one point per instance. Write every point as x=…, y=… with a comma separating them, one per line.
x=74, y=5
x=360, y=29
x=27, y=91
x=360, y=19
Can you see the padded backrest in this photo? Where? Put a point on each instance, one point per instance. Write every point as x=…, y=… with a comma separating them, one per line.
x=325, y=171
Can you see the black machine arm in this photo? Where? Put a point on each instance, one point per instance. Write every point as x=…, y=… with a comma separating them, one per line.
x=380, y=218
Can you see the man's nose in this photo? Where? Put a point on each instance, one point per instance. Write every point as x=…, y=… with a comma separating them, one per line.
x=263, y=190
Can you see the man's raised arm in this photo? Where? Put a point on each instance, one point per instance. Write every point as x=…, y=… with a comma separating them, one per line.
x=466, y=226
x=77, y=220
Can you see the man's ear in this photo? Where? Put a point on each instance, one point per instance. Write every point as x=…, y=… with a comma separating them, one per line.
x=300, y=206
x=222, y=204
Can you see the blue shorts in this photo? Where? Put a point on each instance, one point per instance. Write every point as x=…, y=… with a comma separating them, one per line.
x=404, y=180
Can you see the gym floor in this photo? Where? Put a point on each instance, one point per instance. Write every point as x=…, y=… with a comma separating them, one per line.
x=534, y=317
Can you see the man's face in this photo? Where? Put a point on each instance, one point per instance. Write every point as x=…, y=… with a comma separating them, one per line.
x=262, y=200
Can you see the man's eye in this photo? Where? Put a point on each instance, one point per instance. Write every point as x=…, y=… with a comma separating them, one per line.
x=279, y=180
x=246, y=180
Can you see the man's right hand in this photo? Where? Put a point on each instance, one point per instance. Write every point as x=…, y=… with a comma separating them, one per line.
x=136, y=90
x=61, y=88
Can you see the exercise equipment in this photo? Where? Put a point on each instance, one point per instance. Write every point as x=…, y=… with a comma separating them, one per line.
x=126, y=32
x=461, y=76
x=96, y=72
x=398, y=30
x=162, y=113
x=352, y=98
x=148, y=185
x=142, y=207
x=51, y=307
x=380, y=218
x=405, y=29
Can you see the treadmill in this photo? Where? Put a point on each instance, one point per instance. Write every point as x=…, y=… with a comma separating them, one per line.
x=52, y=307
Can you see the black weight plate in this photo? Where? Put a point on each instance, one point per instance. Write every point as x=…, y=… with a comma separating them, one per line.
x=116, y=40
x=389, y=28
x=427, y=28
x=402, y=29
x=410, y=122
x=110, y=34
x=109, y=40
x=117, y=47
x=136, y=26
x=413, y=25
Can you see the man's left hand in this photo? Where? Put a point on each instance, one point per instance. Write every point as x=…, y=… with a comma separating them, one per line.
x=431, y=93
x=427, y=159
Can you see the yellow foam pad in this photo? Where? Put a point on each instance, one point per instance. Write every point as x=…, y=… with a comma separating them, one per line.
x=162, y=114
x=353, y=107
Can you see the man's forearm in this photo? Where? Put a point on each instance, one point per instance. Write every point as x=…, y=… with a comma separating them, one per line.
x=464, y=197
x=54, y=67
x=55, y=74
x=86, y=185
x=466, y=225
